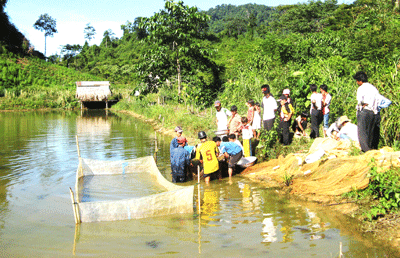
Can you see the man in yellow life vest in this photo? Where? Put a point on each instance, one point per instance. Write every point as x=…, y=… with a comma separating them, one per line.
x=286, y=111
x=207, y=153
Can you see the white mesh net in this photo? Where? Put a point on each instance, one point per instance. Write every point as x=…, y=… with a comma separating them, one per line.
x=132, y=189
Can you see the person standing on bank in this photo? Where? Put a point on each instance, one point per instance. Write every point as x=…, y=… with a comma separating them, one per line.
x=235, y=122
x=180, y=160
x=250, y=111
x=222, y=116
x=285, y=111
x=367, y=112
x=326, y=102
x=315, y=111
x=270, y=106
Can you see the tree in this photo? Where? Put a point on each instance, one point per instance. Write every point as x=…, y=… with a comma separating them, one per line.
x=108, y=36
x=69, y=52
x=48, y=25
x=173, y=35
x=89, y=32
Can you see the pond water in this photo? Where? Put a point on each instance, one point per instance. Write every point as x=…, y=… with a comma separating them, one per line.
x=38, y=162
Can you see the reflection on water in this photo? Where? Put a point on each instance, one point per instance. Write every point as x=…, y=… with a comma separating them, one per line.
x=38, y=161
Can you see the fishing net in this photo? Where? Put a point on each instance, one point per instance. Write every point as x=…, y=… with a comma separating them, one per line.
x=127, y=189
x=333, y=173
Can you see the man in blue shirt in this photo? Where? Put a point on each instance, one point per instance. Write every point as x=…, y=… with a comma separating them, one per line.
x=231, y=150
x=180, y=160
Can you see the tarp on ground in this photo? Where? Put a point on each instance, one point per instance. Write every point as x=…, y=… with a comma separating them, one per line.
x=335, y=173
x=169, y=199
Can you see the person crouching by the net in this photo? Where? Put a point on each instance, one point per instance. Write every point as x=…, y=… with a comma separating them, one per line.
x=207, y=153
x=233, y=153
x=180, y=160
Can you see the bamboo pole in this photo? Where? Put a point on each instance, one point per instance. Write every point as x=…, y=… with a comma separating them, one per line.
x=198, y=184
x=76, y=237
x=156, y=147
x=77, y=146
x=74, y=206
x=199, y=209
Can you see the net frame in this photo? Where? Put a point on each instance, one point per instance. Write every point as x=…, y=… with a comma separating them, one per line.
x=175, y=200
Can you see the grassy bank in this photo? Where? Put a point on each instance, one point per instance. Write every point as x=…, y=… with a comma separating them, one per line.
x=168, y=115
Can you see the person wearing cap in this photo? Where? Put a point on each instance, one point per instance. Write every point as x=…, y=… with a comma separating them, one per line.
x=235, y=122
x=315, y=111
x=174, y=142
x=286, y=111
x=334, y=129
x=180, y=160
x=222, y=116
x=347, y=130
x=367, y=112
x=269, y=106
x=286, y=92
x=326, y=102
x=207, y=153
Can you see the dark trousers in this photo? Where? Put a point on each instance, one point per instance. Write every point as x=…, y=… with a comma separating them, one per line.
x=268, y=124
x=178, y=178
x=285, y=133
x=368, y=129
x=316, y=119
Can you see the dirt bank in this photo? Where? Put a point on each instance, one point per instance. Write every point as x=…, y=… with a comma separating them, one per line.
x=327, y=178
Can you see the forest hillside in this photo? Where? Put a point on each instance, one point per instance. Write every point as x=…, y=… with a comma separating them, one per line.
x=229, y=51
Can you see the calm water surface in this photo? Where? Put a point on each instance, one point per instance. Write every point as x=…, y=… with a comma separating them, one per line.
x=38, y=162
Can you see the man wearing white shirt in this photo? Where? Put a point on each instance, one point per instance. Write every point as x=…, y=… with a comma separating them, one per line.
x=315, y=111
x=367, y=111
x=270, y=106
x=222, y=116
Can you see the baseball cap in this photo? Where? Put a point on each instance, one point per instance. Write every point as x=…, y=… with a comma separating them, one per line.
x=217, y=103
x=178, y=129
x=286, y=91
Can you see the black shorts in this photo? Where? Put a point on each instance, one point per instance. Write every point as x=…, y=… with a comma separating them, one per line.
x=234, y=159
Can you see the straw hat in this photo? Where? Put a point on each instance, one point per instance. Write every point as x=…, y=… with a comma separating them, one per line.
x=343, y=119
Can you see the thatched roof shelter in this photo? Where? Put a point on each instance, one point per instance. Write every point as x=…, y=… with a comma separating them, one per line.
x=93, y=90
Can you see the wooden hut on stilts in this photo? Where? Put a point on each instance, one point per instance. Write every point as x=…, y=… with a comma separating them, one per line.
x=93, y=92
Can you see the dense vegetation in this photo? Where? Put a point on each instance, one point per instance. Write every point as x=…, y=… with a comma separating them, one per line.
x=243, y=47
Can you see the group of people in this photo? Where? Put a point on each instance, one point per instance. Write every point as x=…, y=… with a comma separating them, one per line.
x=208, y=153
x=232, y=125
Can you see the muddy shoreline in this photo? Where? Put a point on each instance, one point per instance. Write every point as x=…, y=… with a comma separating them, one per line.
x=386, y=229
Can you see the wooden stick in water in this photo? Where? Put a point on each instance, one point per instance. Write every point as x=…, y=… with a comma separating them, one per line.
x=77, y=146
x=156, y=148
x=198, y=184
x=73, y=205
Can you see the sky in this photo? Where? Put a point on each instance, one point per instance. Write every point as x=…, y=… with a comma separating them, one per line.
x=72, y=16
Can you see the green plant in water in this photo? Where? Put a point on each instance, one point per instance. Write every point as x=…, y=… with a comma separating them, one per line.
x=287, y=179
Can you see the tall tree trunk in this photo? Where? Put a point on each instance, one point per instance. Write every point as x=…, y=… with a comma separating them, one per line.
x=45, y=37
x=179, y=76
